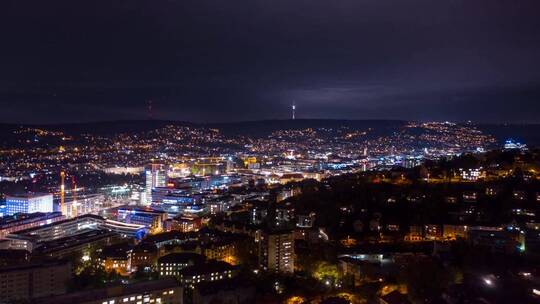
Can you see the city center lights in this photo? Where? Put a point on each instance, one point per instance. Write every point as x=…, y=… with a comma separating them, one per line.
x=321, y=152
x=330, y=206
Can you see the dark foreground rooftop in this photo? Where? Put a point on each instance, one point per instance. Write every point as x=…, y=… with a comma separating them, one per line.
x=113, y=291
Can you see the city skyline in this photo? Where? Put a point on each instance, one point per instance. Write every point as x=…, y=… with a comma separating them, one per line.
x=256, y=151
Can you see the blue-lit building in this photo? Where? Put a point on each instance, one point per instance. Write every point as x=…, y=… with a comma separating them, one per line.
x=156, y=176
x=511, y=144
x=148, y=217
x=171, y=196
x=29, y=203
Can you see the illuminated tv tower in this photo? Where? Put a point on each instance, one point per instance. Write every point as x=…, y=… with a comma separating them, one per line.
x=293, y=111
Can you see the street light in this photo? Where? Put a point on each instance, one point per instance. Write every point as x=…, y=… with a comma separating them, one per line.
x=489, y=280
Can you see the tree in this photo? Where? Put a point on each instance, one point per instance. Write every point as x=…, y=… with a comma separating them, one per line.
x=143, y=274
x=92, y=276
x=326, y=272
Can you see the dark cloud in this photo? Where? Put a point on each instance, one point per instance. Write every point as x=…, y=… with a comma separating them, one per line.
x=204, y=60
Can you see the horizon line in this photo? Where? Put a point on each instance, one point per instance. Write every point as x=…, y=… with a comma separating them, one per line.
x=261, y=120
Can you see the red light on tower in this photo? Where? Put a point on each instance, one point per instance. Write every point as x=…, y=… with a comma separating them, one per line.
x=150, y=113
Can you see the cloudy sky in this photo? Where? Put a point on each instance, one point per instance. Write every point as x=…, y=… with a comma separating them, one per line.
x=203, y=60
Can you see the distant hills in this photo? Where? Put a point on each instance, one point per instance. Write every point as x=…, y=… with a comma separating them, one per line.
x=265, y=127
x=527, y=133
x=249, y=128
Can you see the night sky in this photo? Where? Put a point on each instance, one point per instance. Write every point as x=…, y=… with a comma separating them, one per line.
x=210, y=61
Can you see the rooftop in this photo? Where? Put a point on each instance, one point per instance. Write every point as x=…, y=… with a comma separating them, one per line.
x=113, y=291
x=209, y=267
x=27, y=195
x=182, y=257
x=15, y=268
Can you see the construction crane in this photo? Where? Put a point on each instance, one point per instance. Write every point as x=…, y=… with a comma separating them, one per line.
x=74, y=203
x=62, y=193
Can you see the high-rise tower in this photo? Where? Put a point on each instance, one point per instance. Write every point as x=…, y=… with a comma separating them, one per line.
x=293, y=111
x=156, y=176
x=276, y=251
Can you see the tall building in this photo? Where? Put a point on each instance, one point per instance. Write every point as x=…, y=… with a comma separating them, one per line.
x=276, y=251
x=29, y=203
x=156, y=176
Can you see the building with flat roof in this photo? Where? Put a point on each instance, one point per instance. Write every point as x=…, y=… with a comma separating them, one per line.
x=208, y=272
x=172, y=264
x=29, y=203
x=276, y=251
x=33, y=281
x=155, y=291
x=81, y=224
x=69, y=229
x=24, y=221
x=63, y=247
x=84, y=204
x=150, y=218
